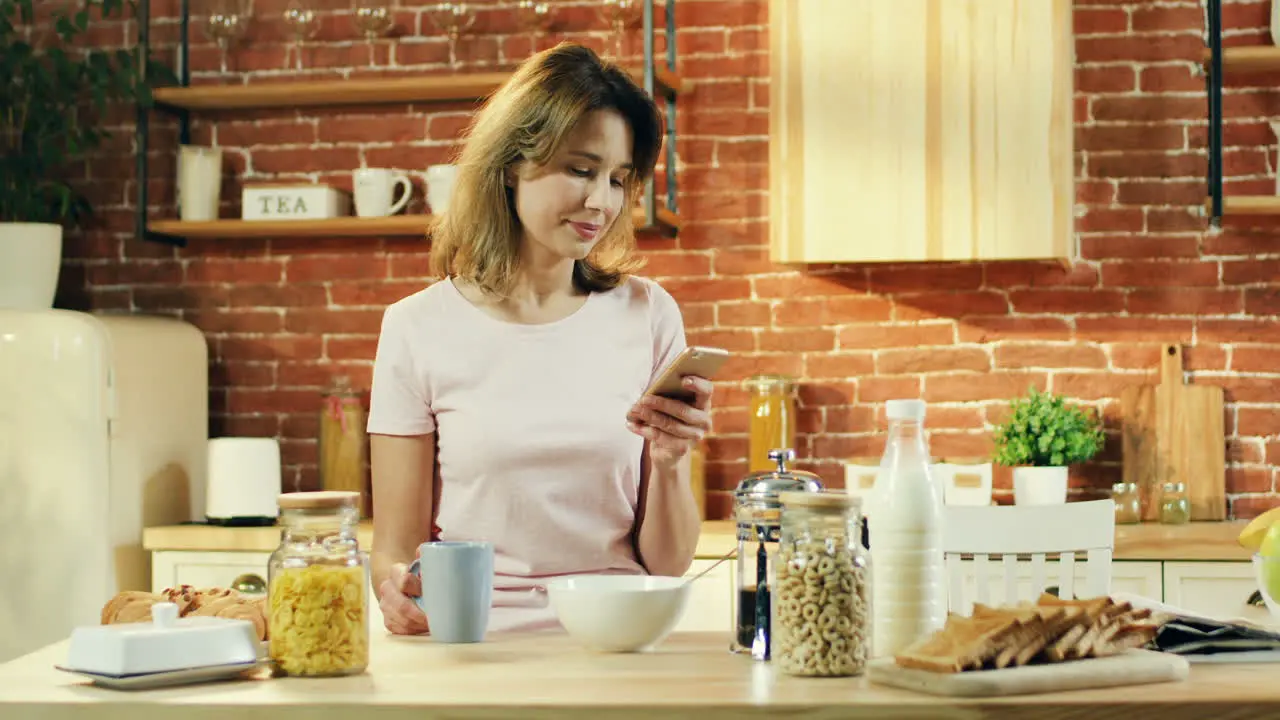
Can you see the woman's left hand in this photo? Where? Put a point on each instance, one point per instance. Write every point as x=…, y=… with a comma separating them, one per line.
x=673, y=427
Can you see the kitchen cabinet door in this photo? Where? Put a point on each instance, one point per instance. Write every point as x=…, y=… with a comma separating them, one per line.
x=171, y=568
x=710, y=606
x=1140, y=577
x=918, y=130
x=1215, y=589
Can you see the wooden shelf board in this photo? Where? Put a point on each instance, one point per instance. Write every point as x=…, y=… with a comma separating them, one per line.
x=1247, y=205
x=1252, y=58
x=394, y=226
x=321, y=93
x=663, y=78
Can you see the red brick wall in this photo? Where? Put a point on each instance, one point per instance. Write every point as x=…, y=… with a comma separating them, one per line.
x=282, y=316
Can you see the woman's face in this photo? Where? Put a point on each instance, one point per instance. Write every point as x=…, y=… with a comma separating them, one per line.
x=567, y=205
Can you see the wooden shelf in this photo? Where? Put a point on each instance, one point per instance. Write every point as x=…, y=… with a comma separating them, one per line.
x=1254, y=205
x=394, y=226
x=372, y=91
x=1249, y=59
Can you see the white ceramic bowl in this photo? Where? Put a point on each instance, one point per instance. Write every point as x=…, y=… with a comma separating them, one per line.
x=618, y=613
x=1266, y=571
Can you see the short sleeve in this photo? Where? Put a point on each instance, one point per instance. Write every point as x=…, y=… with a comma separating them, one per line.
x=399, y=399
x=668, y=330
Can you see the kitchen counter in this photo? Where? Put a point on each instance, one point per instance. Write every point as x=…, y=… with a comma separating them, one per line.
x=1148, y=541
x=716, y=540
x=547, y=676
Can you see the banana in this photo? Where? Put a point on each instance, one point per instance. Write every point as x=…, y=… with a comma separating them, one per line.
x=1253, y=533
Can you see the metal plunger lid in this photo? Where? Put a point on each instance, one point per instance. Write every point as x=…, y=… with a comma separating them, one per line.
x=765, y=485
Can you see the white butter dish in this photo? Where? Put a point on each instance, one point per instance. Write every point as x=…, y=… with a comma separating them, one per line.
x=166, y=644
x=151, y=681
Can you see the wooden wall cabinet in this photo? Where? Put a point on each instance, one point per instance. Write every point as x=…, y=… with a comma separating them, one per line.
x=921, y=130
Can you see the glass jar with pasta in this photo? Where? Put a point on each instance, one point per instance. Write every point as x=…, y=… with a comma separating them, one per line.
x=772, y=418
x=822, y=589
x=318, y=587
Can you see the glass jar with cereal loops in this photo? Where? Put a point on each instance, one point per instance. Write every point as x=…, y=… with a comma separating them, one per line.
x=318, y=587
x=822, y=588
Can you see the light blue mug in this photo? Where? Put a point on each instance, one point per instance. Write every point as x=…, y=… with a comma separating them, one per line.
x=457, y=588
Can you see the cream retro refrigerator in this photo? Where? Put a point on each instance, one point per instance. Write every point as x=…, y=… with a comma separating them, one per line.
x=103, y=431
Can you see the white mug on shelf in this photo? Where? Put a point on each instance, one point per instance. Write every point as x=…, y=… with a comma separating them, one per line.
x=199, y=182
x=374, y=189
x=440, y=180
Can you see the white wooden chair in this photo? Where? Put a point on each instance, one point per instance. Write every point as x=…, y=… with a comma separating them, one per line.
x=1033, y=532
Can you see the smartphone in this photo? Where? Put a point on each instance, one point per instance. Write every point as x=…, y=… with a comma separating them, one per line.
x=694, y=360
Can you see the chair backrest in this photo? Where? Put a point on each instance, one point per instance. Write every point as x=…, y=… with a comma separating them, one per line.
x=1033, y=532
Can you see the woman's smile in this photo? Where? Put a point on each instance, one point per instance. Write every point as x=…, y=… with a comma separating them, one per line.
x=587, y=231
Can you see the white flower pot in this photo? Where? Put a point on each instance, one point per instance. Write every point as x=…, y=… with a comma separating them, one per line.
x=30, y=260
x=1039, y=485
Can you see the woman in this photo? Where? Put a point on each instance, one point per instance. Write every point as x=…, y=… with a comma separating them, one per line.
x=506, y=401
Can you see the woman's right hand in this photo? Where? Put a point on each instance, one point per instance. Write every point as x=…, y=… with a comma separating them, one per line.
x=400, y=613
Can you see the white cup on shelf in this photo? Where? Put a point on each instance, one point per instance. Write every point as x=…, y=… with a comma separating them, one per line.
x=375, y=191
x=199, y=182
x=440, y=181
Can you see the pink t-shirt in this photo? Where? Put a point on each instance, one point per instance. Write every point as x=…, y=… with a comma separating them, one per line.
x=532, y=444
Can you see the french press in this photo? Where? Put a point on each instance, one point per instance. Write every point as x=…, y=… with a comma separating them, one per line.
x=757, y=511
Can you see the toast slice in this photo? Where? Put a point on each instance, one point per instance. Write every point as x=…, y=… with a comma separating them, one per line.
x=1032, y=631
x=1086, y=615
x=962, y=644
x=1051, y=630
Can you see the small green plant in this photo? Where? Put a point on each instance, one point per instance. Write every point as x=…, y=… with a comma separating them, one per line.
x=54, y=90
x=1044, y=431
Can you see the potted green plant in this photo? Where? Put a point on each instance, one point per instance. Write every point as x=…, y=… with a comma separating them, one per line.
x=54, y=90
x=1042, y=437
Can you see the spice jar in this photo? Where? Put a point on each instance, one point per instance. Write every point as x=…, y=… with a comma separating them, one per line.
x=318, y=587
x=1175, y=506
x=1128, y=502
x=342, y=441
x=822, y=596
x=772, y=418
x=756, y=512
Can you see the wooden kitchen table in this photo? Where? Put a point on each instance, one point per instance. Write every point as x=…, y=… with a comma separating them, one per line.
x=547, y=676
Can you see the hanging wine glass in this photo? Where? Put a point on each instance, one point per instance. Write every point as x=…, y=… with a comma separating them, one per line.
x=532, y=17
x=453, y=18
x=227, y=22
x=301, y=23
x=618, y=14
x=373, y=19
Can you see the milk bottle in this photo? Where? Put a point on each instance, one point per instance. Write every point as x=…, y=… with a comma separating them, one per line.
x=905, y=519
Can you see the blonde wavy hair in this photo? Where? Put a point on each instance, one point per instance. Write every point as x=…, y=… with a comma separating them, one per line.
x=528, y=119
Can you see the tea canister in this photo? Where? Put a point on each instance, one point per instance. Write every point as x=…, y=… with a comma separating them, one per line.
x=756, y=513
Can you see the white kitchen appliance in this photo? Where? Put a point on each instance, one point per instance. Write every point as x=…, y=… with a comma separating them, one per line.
x=243, y=481
x=103, y=431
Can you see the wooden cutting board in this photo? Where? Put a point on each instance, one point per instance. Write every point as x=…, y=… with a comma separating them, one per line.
x=1173, y=432
x=1136, y=667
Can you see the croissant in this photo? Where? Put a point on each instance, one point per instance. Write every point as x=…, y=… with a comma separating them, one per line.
x=135, y=606
x=184, y=596
x=200, y=598
x=236, y=608
x=129, y=606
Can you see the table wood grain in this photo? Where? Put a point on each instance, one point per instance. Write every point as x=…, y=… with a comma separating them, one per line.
x=548, y=676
